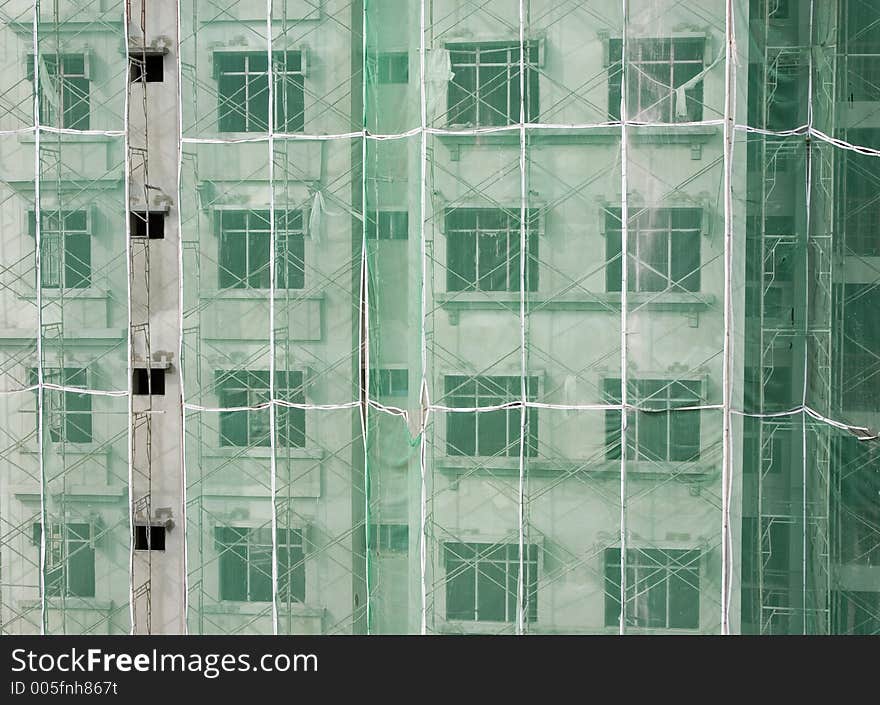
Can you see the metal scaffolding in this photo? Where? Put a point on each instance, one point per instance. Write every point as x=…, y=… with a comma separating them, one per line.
x=501, y=317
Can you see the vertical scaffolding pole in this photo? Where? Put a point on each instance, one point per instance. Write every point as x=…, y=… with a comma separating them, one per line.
x=624, y=303
x=272, y=400
x=39, y=304
x=424, y=398
x=728, y=318
x=130, y=430
x=364, y=322
x=806, y=353
x=180, y=330
x=523, y=256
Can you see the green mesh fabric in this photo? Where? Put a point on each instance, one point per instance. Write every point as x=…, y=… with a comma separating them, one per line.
x=445, y=316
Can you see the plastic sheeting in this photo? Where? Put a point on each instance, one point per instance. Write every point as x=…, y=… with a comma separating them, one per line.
x=518, y=317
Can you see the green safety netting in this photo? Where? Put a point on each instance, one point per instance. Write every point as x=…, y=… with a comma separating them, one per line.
x=449, y=316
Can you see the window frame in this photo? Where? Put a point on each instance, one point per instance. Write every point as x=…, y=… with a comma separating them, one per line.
x=857, y=359
x=59, y=420
x=480, y=554
x=694, y=96
x=290, y=422
x=59, y=552
x=392, y=67
x=59, y=238
x=859, y=179
x=457, y=280
x=384, y=384
x=140, y=62
x=234, y=106
x=388, y=224
x=640, y=567
x=256, y=545
x=257, y=278
x=49, y=115
x=680, y=241
x=471, y=101
x=389, y=537
x=662, y=401
x=458, y=422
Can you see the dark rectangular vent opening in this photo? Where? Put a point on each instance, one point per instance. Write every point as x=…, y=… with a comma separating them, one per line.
x=150, y=382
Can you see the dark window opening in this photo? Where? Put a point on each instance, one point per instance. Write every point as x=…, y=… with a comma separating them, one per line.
x=148, y=68
x=148, y=224
x=149, y=538
x=148, y=382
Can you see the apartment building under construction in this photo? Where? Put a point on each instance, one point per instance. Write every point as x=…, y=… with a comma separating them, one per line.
x=439, y=316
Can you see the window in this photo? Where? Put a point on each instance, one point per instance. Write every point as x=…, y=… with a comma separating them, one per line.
x=751, y=560
x=147, y=67
x=489, y=433
x=858, y=203
x=149, y=538
x=147, y=224
x=245, y=238
x=243, y=87
x=70, y=559
x=859, y=349
x=662, y=588
x=390, y=538
x=392, y=67
x=484, y=89
x=67, y=416
x=855, y=612
x=388, y=225
x=481, y=581
x=859, y=56
x=663, y=249
x=779, y=9
x=389, y=382
x=65, y=248
x=148, y=382
x=483, y=249
x=856, y=477
x=778, y=559
x=780, y=265
x=660, y=79
x=788, y=71
x=64, y=90
x=246, y=564
x=660, y=433
x=249, y=388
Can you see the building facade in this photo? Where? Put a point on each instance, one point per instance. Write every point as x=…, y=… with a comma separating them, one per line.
x=439, y=317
